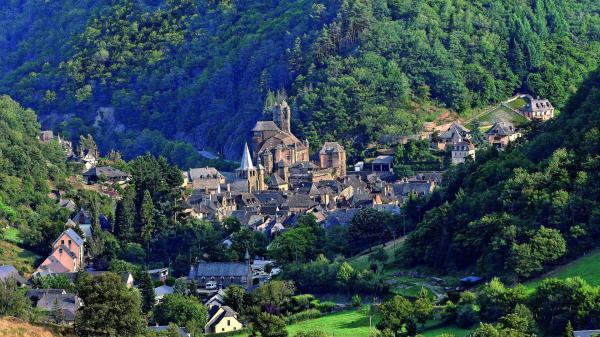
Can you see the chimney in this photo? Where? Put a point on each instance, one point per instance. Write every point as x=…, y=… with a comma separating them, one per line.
x=228, y=187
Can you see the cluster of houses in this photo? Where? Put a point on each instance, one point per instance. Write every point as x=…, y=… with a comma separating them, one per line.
x=278, y=180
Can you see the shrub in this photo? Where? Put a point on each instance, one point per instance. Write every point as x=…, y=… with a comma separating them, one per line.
x=325, y=306
x=303, y=316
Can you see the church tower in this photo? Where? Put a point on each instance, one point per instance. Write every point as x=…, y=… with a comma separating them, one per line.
x=248, y=171
x=282, y=115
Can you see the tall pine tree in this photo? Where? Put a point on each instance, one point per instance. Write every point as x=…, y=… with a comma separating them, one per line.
x=146, y=218
x=147, y=291
x=125, y=215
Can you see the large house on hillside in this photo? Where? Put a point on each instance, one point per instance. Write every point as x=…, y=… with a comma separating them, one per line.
x=537, y=108
x=502, y=133
x=66, y=257
x=224, y=273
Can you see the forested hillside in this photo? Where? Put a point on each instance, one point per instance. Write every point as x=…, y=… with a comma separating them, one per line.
x=27, y=170
x=354, y=70
x=519, y=212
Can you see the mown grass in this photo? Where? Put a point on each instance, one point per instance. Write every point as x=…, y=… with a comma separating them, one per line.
x=12, y=235
x=585, y=267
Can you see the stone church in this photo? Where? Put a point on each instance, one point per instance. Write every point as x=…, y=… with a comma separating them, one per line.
x=274, y=146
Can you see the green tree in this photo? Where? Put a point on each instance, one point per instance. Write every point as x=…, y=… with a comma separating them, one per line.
x=13, y=301
x=181, y=310
x=125, y=215
x=181, y=286
x=397, y=315
x=423, y=308
x=146, y=220
x=231, y=225
x=235, y=297
x=270, y=325
x=147, y=292
x=110, y=308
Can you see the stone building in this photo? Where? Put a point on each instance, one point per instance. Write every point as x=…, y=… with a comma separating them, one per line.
x=273, y=142
x=537, y=109
x=461, y=151
x=333, y=155
x=502, y=133
x=254, y=176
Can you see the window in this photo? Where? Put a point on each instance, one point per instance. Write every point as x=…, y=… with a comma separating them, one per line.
x=60, y=250
x=222, y=329
x=69, y=243
x=62, y=242
x=228, y=322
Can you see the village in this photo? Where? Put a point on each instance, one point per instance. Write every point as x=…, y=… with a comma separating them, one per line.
x=278, y=180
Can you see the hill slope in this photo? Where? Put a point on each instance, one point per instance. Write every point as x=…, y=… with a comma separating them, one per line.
x=521, y=211
x=354, y=69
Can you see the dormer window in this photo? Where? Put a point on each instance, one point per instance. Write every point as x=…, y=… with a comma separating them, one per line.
x=62, y=242
x=60, y=250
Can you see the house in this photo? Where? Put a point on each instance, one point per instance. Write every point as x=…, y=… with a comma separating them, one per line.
x=221, y=320
x=299, y=203
x=67, y=204
x=160, y=274
x=105, y=173
x=160, y=292
x=66, y=257
x=183, y=332
x=502, y=133
x=455, y=133
x=461, y=151
x=34, y=295
x=10, y=272
x=224, y=273
x=333, y=155
x=276, y=183
x=217, y=299
x=537, y=108
x=207, y=179
x=383, y=164
x=66, y=305
x=586, y=333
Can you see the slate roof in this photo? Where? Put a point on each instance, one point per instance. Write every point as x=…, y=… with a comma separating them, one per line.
x=246, y=163
x=412, y=186
x=276, y=181
x=586, y=333
x=537, y=104
x=331, y=147
x=218, y=269
x=265, y=126
x=73, y=235
x=455, y=130
x=36, y=294
x=384, y=160
x=341, y=217
x=9, y=271
x=502, y=129
x=162, y=291
x=205, y=173
x=299, y=201
x=68, y=303
x=226, y=312
x=105, y=171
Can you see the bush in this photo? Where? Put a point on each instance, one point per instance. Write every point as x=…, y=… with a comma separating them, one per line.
x=301, y=302
x=467, y=315
x=303, y=316
x=325, y=306
x=356, y=301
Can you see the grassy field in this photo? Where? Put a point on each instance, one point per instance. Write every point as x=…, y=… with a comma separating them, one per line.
x=355, y=323
x=12, y=235
x=22, y=259
x=585, y=267
x=499, y=113
x=12, y=327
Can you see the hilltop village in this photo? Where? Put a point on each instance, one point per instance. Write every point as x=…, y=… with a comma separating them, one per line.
x=278, y=183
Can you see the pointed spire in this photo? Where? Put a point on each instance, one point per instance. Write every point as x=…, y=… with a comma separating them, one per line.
x=246, y=159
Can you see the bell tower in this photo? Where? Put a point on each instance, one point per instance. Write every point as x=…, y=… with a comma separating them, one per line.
x=282, y=115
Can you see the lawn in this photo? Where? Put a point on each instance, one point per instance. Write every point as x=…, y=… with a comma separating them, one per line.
x=499, y=113
x=518, y=103
x=355, y=323
x=585, y=267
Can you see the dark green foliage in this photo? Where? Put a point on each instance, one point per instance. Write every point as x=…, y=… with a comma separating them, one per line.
x=53, y=282
x=353, y=69
x=518, y=212
x=270, y=325
x=370, y=227
x=301, y=243
x=146, y=291
x=13, y=301
x=181, y=310
x=110, y=308
x=26, y=166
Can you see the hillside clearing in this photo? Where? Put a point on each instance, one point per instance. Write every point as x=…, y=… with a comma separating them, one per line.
x=585, y=267
x=22, y=259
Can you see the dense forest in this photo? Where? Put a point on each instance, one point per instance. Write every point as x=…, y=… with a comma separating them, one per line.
x=353, y=70
x=522, y=211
